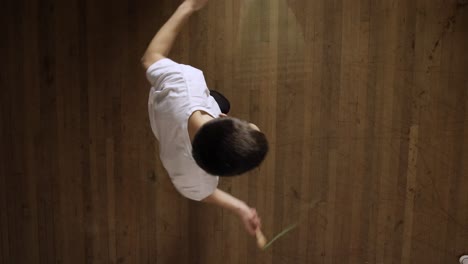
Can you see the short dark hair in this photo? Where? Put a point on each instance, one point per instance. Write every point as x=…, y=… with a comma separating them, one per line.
x=228, y=147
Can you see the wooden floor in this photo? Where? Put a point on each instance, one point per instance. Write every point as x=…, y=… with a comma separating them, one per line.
x=365, y=104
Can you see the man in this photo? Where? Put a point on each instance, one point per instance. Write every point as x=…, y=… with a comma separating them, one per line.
x=197, y=141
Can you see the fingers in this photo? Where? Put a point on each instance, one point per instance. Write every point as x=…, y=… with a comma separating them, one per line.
x=252, y=221
x=255, y=220
x=249, y=227
x=251, y=230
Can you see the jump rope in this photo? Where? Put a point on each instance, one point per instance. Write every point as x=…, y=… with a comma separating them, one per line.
x=261, y=240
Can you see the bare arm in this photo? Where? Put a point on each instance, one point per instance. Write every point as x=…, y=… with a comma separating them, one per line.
x=248, y=215
x=162, y=42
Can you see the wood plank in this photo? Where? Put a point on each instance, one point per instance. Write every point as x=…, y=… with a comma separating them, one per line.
x=5, y=138
x=47, y=198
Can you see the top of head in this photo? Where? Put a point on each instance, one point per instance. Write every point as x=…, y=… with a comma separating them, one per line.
x=228, y=147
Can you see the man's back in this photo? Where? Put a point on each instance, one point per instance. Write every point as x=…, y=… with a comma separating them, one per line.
x=177, y=91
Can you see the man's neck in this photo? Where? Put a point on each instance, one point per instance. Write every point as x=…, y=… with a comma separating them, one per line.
x=197, y=120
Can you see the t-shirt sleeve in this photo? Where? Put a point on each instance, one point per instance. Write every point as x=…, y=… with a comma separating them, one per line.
x=162, y=71
x=196, y=189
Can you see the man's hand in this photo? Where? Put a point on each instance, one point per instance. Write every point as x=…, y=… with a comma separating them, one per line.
x=247, y=215
x=250, y=219
x=196, y=4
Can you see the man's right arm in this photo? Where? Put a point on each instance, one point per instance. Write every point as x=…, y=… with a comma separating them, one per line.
x=162, y=42
x=247, y=215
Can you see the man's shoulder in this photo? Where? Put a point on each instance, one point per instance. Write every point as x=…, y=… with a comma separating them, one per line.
x=162, y=63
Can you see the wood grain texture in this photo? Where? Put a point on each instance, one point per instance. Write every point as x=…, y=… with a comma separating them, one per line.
x=365, y=104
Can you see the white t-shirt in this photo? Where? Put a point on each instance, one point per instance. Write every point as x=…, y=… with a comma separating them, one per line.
x=177, y=91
